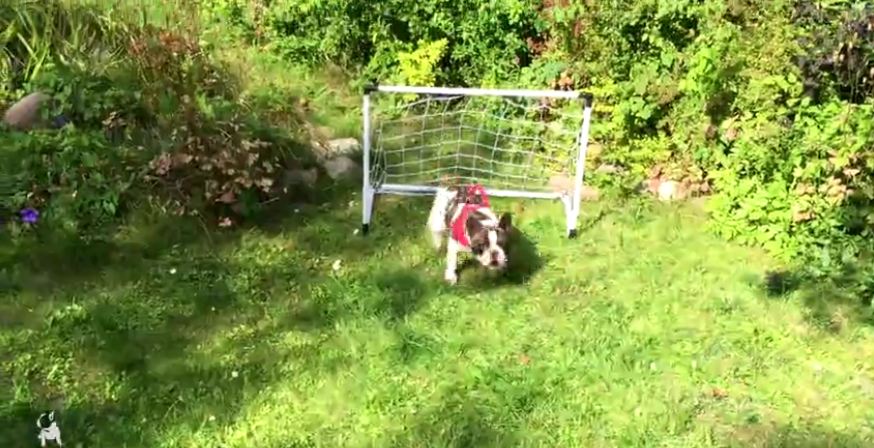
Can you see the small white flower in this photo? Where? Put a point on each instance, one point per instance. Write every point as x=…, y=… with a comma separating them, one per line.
x=297, y=210
x=234, y=374
x=355, y=232
x=212, y=418
x=172, y=271
x=212, y=308
x=336, y=265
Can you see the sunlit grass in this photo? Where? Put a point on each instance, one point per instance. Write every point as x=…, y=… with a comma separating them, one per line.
x=644, y=332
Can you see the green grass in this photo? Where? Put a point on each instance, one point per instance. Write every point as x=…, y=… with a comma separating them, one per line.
x=645, y=331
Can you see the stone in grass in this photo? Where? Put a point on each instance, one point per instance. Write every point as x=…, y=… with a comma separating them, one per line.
x=25, y=114
x=342, y=167
x=343, y=147
x=671, y=190
x=665, y=190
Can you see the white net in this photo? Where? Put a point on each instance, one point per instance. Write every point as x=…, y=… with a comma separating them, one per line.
x=501, y=142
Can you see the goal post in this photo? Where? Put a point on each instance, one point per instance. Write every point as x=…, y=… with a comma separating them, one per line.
x=516, y=143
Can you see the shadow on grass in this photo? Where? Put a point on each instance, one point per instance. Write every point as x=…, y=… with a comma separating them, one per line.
x=466, y=427
x=459, y=421
x=390, y=295
x=404, y=291
x=194, y=362
x=167, y=322
x=154, y=336
x=806, y=436
x=486, y=412
x=833, y=300
x=523, y=261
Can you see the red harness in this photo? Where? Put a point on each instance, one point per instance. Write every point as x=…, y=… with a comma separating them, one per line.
x=475, y=199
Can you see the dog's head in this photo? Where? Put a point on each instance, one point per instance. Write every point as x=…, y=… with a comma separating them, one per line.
x=45, y=420
x=489, y=241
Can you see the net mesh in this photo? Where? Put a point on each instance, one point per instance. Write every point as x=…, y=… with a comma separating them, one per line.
x=501, y=142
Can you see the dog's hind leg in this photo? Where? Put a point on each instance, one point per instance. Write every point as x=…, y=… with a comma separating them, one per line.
x=437, y=217
x=451, y=272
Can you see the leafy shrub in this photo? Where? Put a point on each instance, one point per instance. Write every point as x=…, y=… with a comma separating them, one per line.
x=166, y=120
x=838, y=40
x=75, y=178
x=793, y=174
x=699, y=92
x=209, y=153
x=37, y=35
x=218, y=163
x=804, y=189
x=484, y=40
x=418, y=68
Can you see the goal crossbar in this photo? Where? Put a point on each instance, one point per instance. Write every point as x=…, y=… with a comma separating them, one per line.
x=467, y=91
x=416, y=190
x=413, y=156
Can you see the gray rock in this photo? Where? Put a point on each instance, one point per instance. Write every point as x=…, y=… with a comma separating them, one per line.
x=25, y=114
x=297, y=177
x=342, y=167
x=319, y=150
x=344, y=146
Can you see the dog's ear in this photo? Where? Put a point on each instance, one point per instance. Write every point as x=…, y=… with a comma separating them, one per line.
x=506, y=222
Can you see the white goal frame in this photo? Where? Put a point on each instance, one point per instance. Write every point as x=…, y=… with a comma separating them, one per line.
x=570, y=199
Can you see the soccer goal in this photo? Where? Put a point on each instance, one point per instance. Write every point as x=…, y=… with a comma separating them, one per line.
x=516, y=143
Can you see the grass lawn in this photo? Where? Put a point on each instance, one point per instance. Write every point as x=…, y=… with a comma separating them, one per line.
x=645, y=331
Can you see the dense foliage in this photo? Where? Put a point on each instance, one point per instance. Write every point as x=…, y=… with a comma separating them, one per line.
x=151, y=115
x=766, y=105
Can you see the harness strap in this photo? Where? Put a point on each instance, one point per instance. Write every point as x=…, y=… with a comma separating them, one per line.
x=475, y=198
x=476, y=194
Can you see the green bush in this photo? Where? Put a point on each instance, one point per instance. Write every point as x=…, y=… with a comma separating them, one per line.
x=165, y=121
x=775, y=120
x=35, y=36
x=485, y=41
x=770, y=119
x=75, y=178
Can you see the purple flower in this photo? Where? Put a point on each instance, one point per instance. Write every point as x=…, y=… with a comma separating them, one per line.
x=29, y=215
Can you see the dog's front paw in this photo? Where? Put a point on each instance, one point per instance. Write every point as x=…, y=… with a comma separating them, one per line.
x=450, y=276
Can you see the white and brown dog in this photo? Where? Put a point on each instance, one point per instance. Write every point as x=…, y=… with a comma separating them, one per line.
x=463, y=214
